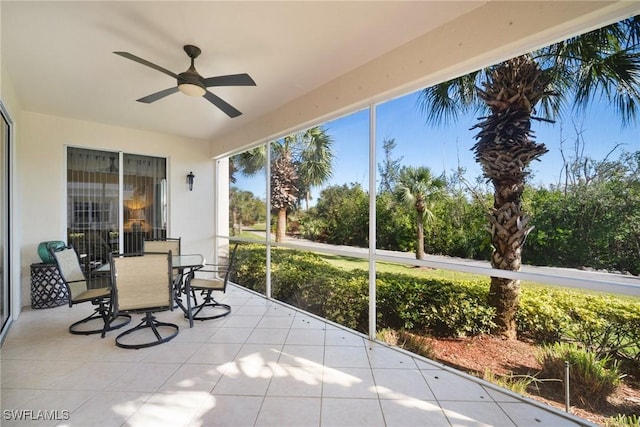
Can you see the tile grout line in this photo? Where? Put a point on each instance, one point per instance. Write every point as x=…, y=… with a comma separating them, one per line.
x=264, y=396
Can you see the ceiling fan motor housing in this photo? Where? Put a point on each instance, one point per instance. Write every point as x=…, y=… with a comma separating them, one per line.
x=190, y=82
x=189, y=78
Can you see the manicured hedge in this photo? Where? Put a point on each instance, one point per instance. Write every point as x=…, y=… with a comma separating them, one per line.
x=436, y=306
x=604, y=324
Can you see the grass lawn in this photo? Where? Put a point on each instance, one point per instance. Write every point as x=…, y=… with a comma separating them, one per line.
x=348, y=264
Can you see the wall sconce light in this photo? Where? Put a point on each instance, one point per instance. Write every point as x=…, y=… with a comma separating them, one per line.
x=190, y=177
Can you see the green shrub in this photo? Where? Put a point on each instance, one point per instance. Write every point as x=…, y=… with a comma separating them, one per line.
x=434, y=305
x=348, y=302
x=250, y=267
x=602, y=323
x=623, y=421
x=417, y=344
x=591, y=378
x=439, y=306
x=607, y=325
x=541, y=315
x=516, y=383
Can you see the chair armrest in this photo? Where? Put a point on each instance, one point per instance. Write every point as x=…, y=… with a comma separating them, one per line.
x=213, y=268
x=208, y=271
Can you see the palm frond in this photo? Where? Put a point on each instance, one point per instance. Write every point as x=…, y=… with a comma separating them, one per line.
x=615, y=77
x=445, y=102
x=251, y=162
x=603, y=63
x=315, y=156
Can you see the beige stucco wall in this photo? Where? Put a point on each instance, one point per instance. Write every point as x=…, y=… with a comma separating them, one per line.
x=41, y=181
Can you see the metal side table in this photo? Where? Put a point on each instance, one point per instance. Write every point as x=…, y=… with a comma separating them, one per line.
x=47, y=288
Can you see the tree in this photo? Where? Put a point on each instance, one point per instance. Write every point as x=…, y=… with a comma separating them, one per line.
x=244, y=209
x=389, y=169
x=248, y=163
x=344, y=211
x=395, y=224
x=418, y=187
x=298, y=161
x=604, y=62
x=284, y=192
x=315, y=159
x=592, y=222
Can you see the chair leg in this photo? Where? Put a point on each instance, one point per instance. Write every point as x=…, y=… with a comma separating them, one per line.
x=211, y=303
x=109, y=323
x=150, y=322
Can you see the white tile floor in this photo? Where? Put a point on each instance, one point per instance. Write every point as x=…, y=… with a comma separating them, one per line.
x=264, y=365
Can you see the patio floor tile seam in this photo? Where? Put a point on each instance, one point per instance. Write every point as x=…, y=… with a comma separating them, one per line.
x=462, y=375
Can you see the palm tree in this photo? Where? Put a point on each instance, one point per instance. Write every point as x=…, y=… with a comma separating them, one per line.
x=299, y=161
x=284, y=192
x=605, y=62
x=316, y=159
x=418, y=187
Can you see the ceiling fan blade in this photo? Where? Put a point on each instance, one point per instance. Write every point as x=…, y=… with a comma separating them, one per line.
x=223, y=105
x=230, y=80
x=147, y=63
x=158, y=95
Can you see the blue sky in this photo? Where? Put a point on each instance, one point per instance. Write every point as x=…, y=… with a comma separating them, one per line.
x=442, y=147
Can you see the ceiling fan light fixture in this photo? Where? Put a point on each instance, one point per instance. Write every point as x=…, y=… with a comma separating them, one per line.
x=191, y=89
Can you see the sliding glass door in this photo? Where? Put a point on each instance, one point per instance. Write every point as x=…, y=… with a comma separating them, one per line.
x=144, y=198
x=114, y=201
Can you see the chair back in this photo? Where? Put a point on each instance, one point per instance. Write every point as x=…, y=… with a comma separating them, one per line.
x=216, y=273
x=142, y=283
x=70, y=271
x=232, y=258
x=162, y=246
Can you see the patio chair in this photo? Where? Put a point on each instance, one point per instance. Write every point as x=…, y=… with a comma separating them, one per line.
x=165, y=245
x=143, y=284
x=218, y=277
x=96, y=290
x=162, y=245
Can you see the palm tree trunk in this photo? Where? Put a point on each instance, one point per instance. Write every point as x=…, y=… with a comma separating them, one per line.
x=508, y=234
x=235, y=222
x=505, y=150
x=420, y=235
x=281, y=228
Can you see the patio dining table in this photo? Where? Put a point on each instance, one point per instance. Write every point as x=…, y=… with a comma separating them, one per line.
x=185, y=264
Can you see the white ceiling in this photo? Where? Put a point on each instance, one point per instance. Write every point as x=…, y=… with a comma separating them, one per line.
x=58, y=55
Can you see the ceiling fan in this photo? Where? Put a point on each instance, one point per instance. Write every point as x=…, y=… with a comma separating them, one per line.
x=193, y=84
